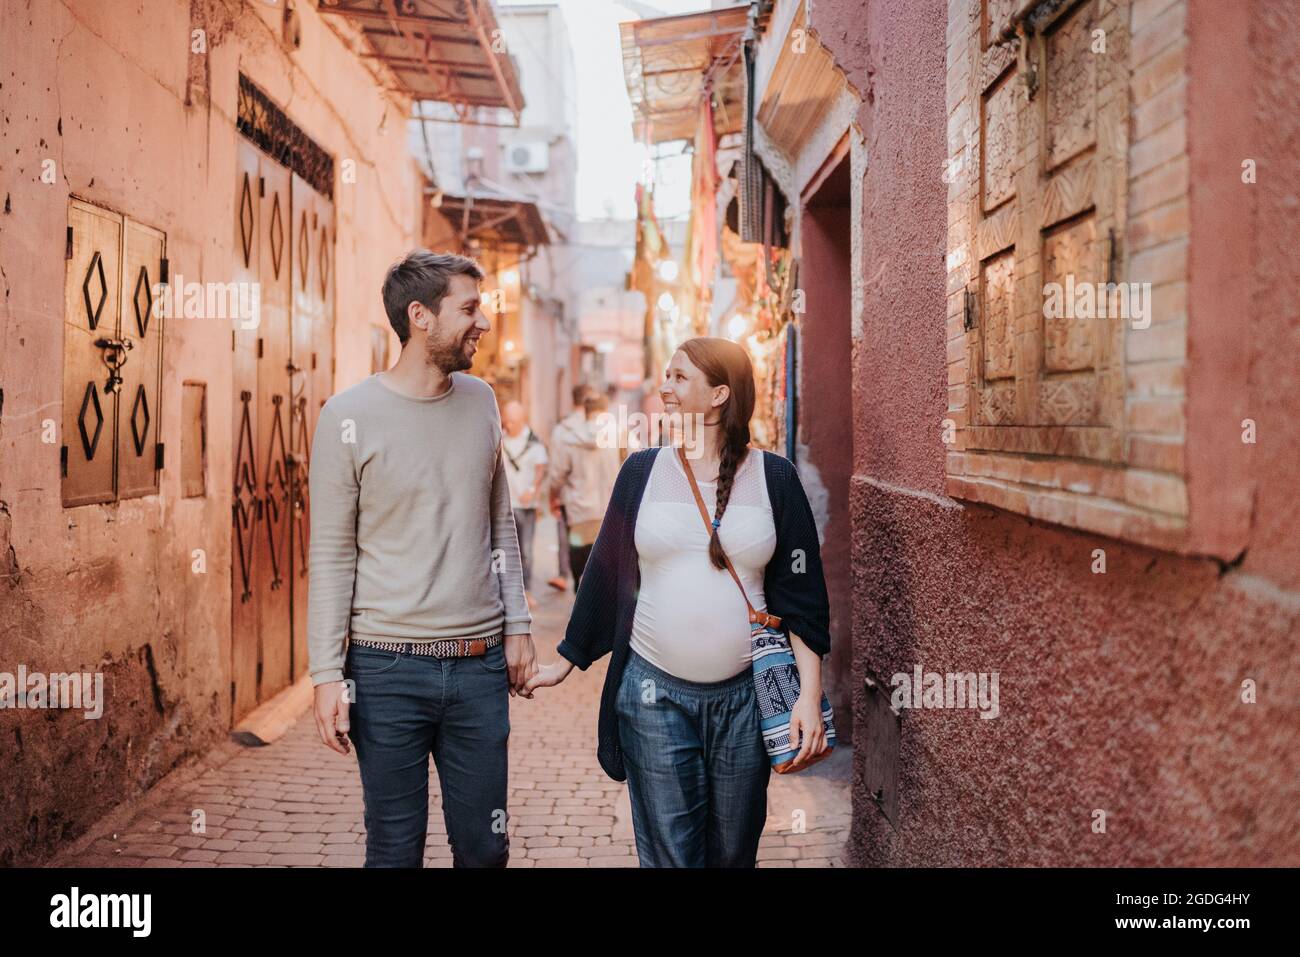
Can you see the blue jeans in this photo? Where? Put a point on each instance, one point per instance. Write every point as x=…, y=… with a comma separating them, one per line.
x=697, y=773
x=407, y=707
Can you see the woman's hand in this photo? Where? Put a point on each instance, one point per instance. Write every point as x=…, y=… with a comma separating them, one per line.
x=548, y=675
x=806, y=720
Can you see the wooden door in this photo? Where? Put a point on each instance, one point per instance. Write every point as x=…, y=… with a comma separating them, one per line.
x=246, y=506
x=283, y=372
x=271, y=575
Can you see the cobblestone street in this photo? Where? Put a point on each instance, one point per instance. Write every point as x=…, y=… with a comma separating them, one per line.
x=294, y=803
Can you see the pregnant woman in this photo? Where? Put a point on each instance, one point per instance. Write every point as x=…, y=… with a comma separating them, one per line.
x=679, y=720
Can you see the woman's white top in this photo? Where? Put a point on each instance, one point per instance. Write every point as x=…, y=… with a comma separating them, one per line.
x=691, y=619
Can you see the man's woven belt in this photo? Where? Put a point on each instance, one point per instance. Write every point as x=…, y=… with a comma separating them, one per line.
x=436, y=648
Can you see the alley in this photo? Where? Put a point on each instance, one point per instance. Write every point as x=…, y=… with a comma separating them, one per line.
x=294, y=803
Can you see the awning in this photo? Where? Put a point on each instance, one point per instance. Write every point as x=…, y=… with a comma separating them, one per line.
x=495, y=219
x=668, y=62
x=449, y=51
x=804, y=85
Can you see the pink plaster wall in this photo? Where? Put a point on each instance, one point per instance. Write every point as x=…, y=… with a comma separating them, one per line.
x=1119, y=691
x=109, y=587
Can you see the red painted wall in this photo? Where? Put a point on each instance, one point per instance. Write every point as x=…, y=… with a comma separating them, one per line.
x=1118, y=691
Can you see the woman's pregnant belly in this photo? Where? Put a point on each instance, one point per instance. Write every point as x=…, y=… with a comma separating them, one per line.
x=691, y=620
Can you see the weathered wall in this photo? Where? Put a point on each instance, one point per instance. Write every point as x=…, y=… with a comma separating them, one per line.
x=136, y=123
x=1119, y=691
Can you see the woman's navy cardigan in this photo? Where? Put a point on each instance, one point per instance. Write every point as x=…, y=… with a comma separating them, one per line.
x=601, y=621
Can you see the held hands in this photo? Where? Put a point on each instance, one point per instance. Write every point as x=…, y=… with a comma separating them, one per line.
x=548, y=676
x=521, y=663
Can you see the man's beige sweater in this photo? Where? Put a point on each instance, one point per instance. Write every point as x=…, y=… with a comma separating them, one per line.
x=412, y=535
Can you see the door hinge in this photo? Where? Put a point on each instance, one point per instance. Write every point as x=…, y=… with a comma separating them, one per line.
x=1112, y=260
x=164, y=270
x=63, y=461
x=158, y=454
x=969, y=308
x=261, y=186
x=313, y=361
x=67, y=250
x=259, y=347
x=232, y=340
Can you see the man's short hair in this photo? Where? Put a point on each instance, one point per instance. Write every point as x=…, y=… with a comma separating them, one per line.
x=421, y=276
x=595, y=402
x=579, y=393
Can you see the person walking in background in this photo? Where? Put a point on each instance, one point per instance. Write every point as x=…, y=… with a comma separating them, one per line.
x=583, y=475
x=566, y=429
x=416, y=592
x=526, y=461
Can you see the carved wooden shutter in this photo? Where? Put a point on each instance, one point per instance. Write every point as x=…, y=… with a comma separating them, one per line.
x=138, y=400
x=1053, y=114
x=90, y=313
x=112, y=350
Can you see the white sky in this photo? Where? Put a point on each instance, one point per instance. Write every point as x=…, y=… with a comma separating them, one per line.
x=609, y=162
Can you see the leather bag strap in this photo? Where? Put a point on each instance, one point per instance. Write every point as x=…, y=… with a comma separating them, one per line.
x=771, y=621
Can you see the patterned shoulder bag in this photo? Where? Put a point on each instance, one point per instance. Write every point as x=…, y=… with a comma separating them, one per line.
x=776, y=674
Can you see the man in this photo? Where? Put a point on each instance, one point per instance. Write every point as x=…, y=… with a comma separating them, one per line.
x=526, y=469
x=414, y=556
x=583, y=476
x=565, y=430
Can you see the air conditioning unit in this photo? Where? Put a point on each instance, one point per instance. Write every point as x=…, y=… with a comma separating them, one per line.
x=527, y=157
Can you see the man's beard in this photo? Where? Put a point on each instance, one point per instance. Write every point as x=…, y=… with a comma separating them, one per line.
x=447, y=356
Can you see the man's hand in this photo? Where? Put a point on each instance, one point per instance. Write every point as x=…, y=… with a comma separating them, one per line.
x=521, y=662
x=332, y=715
x=526, y=497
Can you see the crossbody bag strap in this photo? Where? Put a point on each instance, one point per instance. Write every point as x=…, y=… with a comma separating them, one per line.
x=771, y=621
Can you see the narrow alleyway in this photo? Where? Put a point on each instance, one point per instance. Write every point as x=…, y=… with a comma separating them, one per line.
x=294, y=803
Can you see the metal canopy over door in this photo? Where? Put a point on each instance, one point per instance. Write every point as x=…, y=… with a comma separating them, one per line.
x=280, y=225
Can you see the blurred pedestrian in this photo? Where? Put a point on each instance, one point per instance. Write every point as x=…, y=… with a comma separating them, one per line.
x=583, y=472
x=567, y=429
x=526, y=461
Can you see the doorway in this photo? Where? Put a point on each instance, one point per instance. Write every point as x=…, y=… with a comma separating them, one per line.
x=825, y=399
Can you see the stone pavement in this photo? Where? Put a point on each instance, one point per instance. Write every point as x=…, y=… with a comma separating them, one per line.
x=295, y=803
